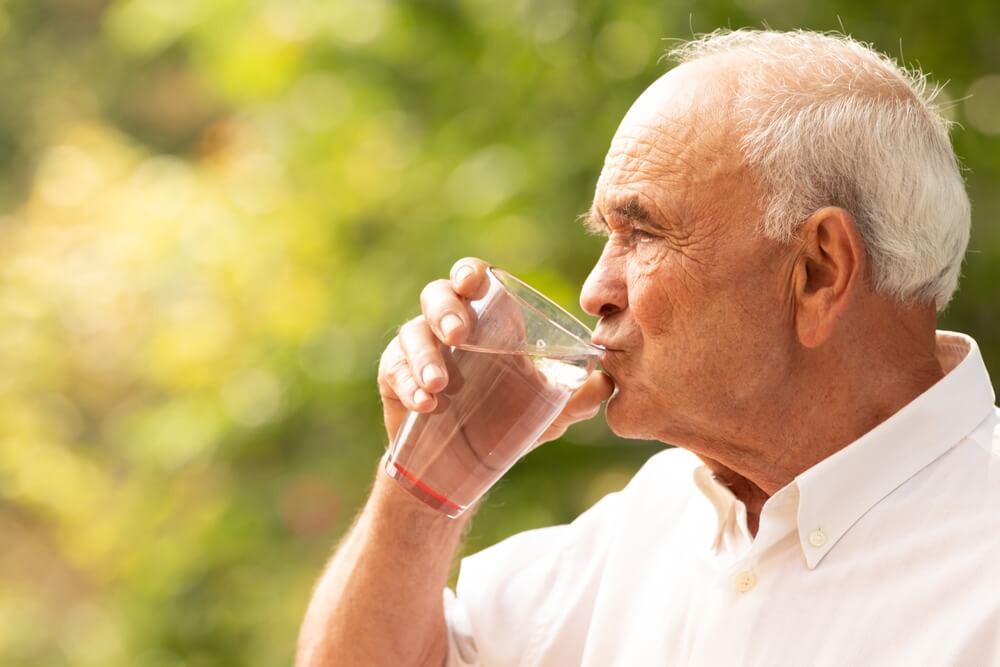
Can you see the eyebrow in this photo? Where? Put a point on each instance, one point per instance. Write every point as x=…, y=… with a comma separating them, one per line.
x=631, y=210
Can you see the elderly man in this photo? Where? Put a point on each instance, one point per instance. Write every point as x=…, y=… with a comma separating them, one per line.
x=784, y=217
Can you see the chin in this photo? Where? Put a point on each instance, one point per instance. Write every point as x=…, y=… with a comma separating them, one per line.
x=621, y=419
x=634, y=420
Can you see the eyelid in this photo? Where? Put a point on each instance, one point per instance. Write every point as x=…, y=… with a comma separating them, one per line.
x=598, y=225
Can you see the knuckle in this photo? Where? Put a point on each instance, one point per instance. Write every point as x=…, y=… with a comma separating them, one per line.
x=432, y=289
x=393, y=371
x=411, y=327
x=400, y=373
x=424, y=356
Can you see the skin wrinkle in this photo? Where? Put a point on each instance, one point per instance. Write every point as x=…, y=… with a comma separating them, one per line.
x=760, y=356
x=627, y=158
x=629, y=181
x=676, y=238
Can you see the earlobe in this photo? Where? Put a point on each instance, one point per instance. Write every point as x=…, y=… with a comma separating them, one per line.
x=829, y=271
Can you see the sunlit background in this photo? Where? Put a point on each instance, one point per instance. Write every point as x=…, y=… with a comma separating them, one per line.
x=213, y=214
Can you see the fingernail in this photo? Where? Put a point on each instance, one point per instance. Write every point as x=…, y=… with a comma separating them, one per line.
x=450, y=323
x=463, y=273
x=421, y=396
x=430, y=373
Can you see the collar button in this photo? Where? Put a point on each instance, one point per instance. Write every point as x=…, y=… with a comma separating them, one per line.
x=745, y=581
x=817, y=538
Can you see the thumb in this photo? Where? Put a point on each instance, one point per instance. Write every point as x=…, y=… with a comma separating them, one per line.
x=586, y=401
x=583, y=404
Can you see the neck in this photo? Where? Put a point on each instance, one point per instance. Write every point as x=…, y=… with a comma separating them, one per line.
x=839, y=392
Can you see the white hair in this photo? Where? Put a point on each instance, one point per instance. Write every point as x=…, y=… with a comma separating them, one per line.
x=825, y=120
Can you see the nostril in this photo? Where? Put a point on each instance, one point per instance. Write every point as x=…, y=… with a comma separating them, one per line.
x=607, y=309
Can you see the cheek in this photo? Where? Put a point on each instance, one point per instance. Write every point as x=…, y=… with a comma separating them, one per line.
x=740, y=352
x=693, y=338
x=651, y=261
x=654, y=311
x=651, y=288
x=664, y=299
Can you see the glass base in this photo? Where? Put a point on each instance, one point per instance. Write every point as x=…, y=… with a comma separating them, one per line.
x=421, y=491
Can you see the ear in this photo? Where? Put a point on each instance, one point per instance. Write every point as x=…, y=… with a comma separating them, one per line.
x=827, y=274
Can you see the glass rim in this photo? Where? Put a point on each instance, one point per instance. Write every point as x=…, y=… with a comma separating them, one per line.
x=504, y=277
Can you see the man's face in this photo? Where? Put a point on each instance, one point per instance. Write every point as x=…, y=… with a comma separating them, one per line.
x=694, y=309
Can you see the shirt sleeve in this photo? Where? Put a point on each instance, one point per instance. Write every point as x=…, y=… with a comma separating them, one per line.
x=461, y=644
x=513, y=597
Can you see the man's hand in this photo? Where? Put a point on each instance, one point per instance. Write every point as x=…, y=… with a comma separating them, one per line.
x=413, y=372
x=379, y=600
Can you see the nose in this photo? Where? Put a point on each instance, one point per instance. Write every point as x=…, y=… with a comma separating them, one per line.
x=604, y=291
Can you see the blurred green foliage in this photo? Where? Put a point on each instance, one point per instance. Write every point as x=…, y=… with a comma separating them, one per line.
x=213, y=214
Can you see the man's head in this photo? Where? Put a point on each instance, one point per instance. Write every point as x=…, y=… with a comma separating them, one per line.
x=774, y=201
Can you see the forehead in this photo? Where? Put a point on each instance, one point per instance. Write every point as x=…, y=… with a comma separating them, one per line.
x=675, y=137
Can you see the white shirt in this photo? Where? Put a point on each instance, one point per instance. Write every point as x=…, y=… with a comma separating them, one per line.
x=886, y=553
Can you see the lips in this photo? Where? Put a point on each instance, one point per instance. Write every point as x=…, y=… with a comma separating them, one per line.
x=610, y=344
x=606, y=344
x=608, y=350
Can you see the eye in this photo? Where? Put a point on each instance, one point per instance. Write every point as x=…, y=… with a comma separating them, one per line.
x=642, y=236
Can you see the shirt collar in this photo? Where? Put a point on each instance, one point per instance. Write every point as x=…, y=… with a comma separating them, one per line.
x=837, y=491
x=875, y=464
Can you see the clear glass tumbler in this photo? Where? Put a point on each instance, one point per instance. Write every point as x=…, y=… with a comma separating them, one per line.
x=507, y=383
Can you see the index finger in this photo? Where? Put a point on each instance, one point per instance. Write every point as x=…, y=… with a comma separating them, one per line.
x=469, y=279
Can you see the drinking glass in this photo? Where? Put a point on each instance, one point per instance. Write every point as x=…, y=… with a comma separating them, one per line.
x=507, y=383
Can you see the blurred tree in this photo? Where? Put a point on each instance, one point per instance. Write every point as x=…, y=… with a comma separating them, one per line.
x=214, y=214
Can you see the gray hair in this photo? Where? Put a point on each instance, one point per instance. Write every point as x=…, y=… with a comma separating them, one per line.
x=825, y=120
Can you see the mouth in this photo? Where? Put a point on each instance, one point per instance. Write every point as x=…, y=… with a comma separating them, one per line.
x=608, y=353
x=607, y=346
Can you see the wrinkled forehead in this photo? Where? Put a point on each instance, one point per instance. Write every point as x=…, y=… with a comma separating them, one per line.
x=678, y=131
x=688, y=88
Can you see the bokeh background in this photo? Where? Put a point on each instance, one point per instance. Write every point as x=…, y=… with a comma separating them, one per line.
x=213, y=215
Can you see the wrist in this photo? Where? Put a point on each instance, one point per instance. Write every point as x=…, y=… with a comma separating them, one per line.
x=394, y=501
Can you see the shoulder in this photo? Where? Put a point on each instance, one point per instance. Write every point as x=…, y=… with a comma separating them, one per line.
x=666, y=478
x=970, y=471
x=996, y=431
x=672, y=464
x=514, y=589
x=957, y=496
x=982, y=446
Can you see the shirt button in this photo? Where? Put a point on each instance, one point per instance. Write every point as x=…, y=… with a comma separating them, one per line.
x=817, y=538
x=745, y=581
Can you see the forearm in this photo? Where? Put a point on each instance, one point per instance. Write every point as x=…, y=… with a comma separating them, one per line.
x=379, y=600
